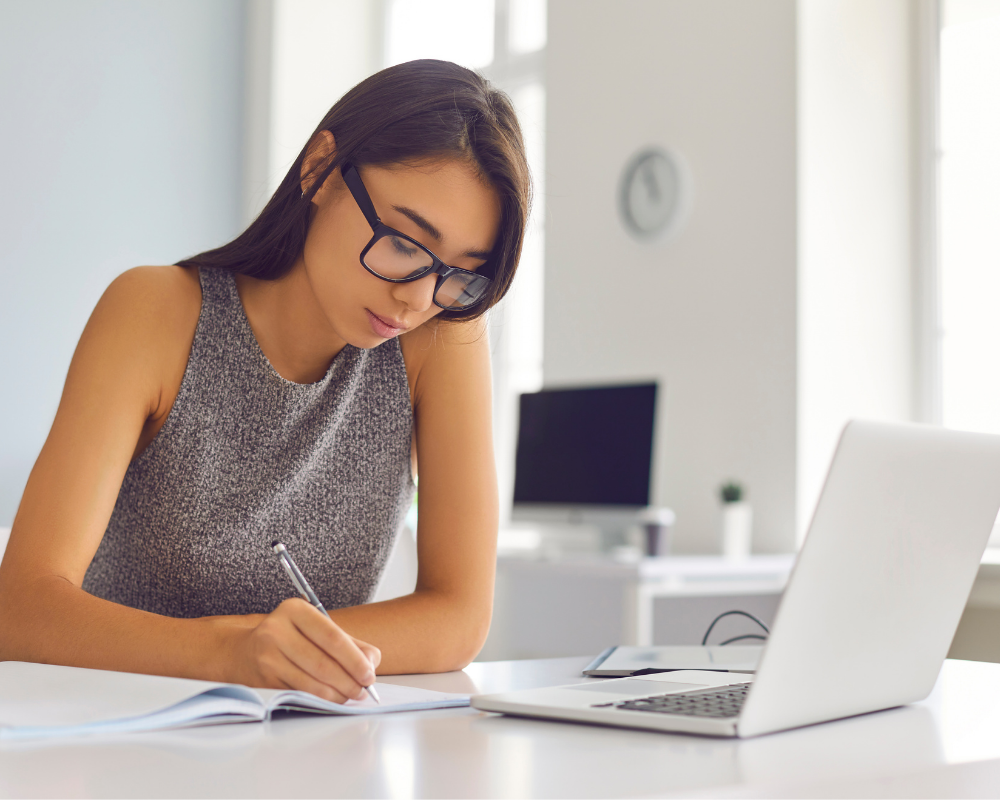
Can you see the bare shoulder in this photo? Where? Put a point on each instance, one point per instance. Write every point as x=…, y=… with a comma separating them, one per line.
x=443, y=336
x=440, y=348
x=141, y=331
x=167, y=295
x=151, y=309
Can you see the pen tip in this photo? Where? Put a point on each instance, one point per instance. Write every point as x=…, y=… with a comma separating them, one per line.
x=275, y=543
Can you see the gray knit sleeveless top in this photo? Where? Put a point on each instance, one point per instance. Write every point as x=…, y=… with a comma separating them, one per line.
x=245, y=457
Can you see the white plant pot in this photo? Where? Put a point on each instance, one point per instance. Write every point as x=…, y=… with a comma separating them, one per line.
x=737, y=530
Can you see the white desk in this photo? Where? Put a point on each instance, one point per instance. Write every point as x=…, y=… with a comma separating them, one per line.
x=928, y=749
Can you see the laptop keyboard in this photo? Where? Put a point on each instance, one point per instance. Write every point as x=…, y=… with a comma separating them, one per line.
x=726, y=701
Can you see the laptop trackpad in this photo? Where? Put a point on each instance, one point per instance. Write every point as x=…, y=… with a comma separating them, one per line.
x=637, y=687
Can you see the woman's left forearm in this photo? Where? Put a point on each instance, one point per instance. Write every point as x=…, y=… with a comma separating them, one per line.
x=427, y=631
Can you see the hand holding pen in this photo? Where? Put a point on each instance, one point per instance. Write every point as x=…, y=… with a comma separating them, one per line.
x=304, y=589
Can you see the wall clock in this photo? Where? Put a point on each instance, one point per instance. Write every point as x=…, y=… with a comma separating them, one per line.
x=650, y=194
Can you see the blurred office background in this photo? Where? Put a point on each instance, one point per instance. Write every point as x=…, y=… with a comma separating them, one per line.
x=836, y=257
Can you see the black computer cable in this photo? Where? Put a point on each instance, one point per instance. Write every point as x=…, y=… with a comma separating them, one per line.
x=704, y=640
x=747, y=636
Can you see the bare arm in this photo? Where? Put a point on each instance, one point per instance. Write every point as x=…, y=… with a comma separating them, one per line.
x=443, y=624
x=132, y=348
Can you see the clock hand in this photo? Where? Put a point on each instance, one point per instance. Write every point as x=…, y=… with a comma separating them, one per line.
x=649, y=178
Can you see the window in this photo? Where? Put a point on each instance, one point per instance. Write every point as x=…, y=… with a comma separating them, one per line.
x=969, y=209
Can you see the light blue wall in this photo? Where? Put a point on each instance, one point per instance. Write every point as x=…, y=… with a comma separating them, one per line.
x=120, y=144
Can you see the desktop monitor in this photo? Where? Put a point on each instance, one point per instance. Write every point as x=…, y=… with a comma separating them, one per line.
x=585, y=448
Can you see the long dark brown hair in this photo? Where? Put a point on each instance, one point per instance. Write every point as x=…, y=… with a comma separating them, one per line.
x=404, y=114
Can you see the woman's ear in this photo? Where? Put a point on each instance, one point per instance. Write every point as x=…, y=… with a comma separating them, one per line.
x=321, y=149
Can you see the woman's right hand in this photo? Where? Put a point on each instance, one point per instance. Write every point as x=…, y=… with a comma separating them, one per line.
x=298, y=647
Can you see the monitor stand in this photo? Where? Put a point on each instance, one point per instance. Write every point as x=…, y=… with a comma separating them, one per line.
x=589, y=529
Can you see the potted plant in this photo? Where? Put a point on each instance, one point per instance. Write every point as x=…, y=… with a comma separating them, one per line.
x=737, y=522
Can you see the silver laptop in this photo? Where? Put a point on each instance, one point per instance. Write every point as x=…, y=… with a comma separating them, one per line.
x=870, y=609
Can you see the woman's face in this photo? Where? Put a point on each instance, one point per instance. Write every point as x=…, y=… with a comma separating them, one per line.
x=444, y=205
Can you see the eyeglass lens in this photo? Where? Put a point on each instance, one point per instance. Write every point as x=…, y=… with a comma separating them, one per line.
x=396, y=258
x=460, y=291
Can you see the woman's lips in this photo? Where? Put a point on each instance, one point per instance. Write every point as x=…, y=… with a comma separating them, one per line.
x=385, y=328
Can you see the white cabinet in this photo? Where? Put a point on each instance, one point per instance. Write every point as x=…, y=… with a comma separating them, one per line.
x=579, y=605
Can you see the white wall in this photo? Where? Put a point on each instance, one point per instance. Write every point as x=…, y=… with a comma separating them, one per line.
x=856, y=190
x=120, y=145
x=785, y=304
x=710, y=313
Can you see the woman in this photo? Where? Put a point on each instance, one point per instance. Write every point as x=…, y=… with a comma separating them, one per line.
x=286, y=386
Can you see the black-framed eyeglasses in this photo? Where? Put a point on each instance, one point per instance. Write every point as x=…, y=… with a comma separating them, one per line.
x=395, y=257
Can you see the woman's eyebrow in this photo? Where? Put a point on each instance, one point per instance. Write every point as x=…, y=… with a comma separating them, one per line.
x=428, y=228
x=419, y=220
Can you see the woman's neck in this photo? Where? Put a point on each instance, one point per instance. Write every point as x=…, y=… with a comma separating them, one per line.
x=291, y=328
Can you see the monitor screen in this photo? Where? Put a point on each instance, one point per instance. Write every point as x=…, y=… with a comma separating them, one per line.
x=590, y=446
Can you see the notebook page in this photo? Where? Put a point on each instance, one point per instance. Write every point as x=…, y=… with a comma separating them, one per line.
x=394, y=698
x=210, y=708
x=46, y=695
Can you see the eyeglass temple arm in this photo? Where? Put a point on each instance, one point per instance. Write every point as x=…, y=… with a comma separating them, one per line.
x=353, y=181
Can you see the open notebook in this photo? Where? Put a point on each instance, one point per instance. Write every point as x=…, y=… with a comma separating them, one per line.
x=39, y=701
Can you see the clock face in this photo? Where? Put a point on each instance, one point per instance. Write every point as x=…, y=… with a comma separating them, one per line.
x=650, y=193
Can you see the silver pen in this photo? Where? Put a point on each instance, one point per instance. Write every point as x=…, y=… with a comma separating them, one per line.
x=304, y=589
